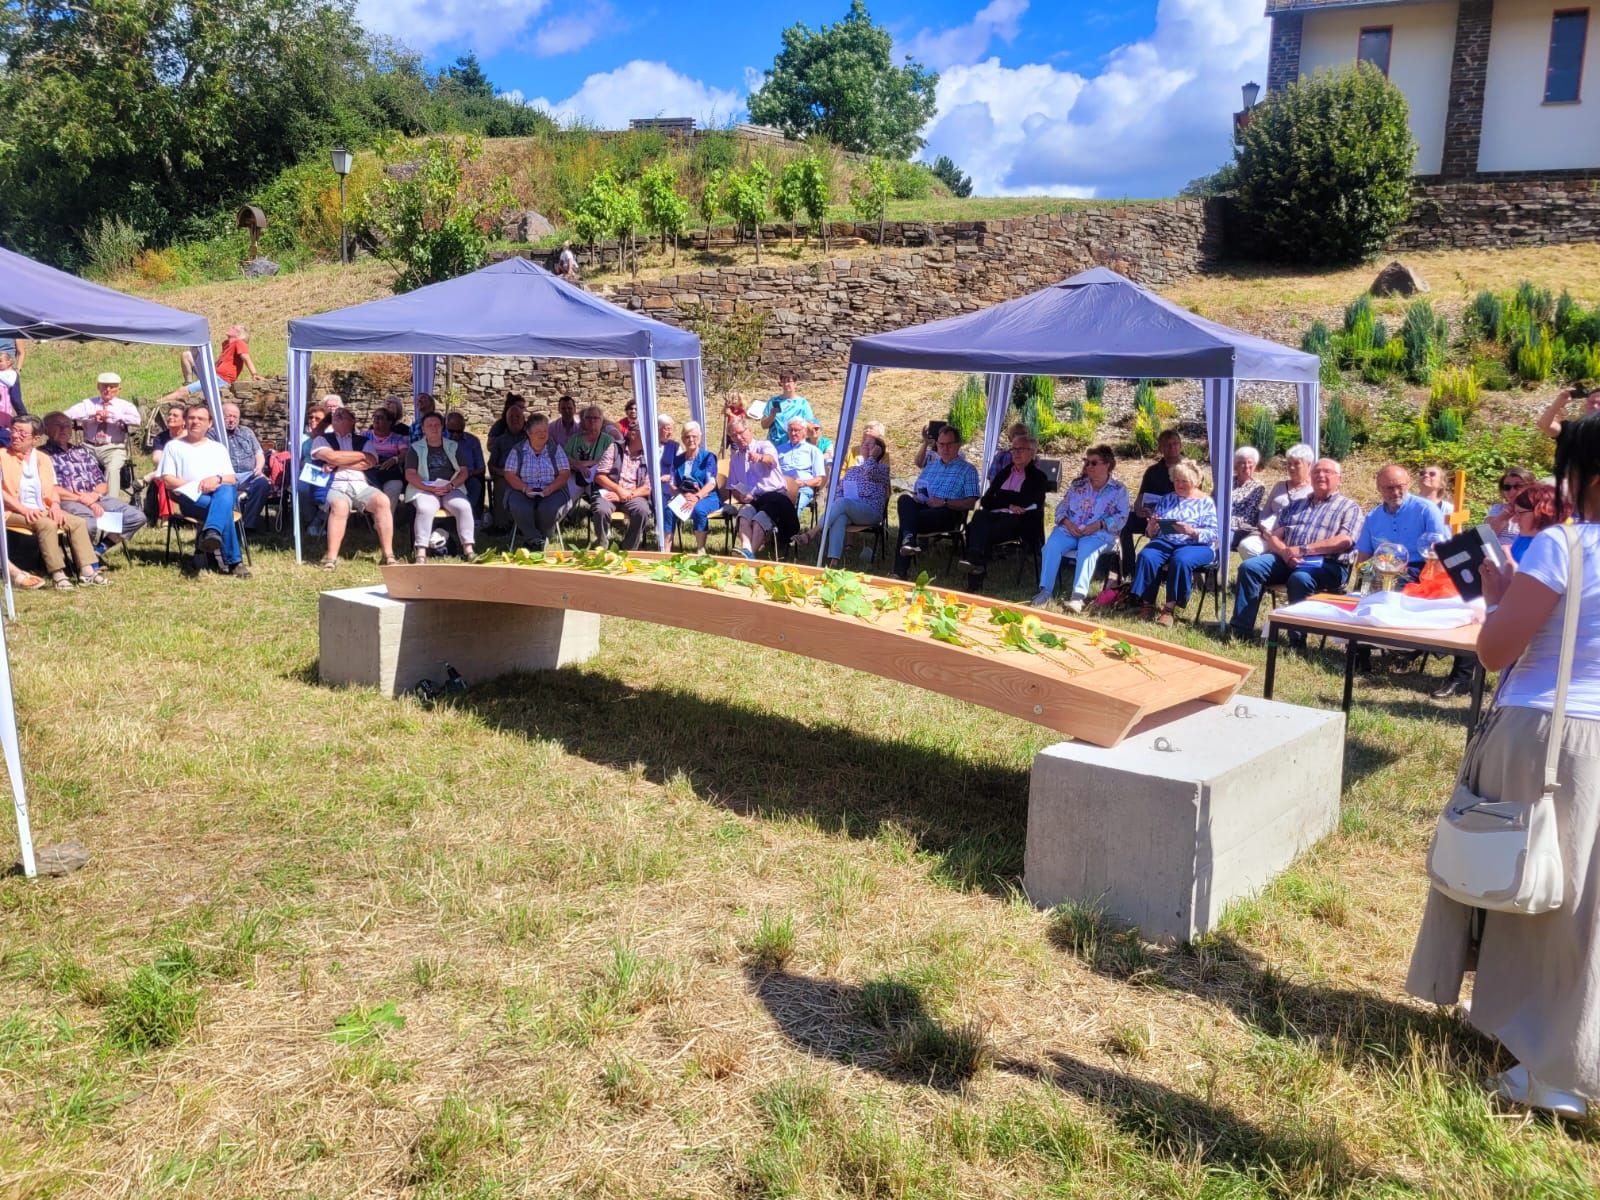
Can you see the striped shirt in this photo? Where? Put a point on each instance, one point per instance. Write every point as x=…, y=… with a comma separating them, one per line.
x=956, y=480
x=537, y=468
x=1198, y=511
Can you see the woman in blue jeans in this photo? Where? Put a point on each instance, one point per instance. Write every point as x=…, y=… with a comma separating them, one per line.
x=861, y=498
x=1088, y=519
x=694, y=477
x=1183, y=536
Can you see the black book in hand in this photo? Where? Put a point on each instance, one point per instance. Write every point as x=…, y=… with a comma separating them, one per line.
x=1463, y=557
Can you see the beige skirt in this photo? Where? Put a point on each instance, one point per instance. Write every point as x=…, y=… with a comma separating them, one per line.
x=1538, y=978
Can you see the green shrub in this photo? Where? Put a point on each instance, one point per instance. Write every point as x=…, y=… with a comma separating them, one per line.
x=1324, y=167
x=1337, y=438
x=1260, y=429
x=1146, y=418
x=1446, y=425
x=1454, y=388
x=154, y=1009
x=1536, y=302
x=1094, y=389
x=1423, y=334
x=111, y=246
x=1483, y=319
x=911, y=181
x=1531, y=353
x=1583, y=328
x=1582, y=364
x=1317, y=339
x=1358, y=313
x=968, y=408
x=1566, y=309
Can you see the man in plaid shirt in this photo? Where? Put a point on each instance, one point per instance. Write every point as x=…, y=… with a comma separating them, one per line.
x=536, y=475
x=1303, y=549
x=82, y=482
x=946, y=491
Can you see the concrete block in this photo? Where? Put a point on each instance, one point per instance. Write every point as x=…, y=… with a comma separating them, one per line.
x=371, y=639
x=1165, y=838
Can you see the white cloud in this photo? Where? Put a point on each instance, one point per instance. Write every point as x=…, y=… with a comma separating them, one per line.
x=1157, y=114
x=643, y=89
x=970, y=42
x=573, y=31
x=485, y=25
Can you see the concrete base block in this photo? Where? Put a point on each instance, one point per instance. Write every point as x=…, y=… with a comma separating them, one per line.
x=370, y=639
x=1165, y=838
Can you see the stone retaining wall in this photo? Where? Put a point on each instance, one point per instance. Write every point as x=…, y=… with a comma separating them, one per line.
x=815, y=309
x=1498, y=214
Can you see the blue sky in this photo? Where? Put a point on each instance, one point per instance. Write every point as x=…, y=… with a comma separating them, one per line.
x=1061, y=97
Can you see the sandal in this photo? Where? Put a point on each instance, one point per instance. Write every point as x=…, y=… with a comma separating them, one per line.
x=388, y=560
x=63, y=584
x=31, y=582
x=328, y=564
x=1164, y=618
x=92, y=579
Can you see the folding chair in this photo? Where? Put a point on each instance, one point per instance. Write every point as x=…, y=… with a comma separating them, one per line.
x=172, y=516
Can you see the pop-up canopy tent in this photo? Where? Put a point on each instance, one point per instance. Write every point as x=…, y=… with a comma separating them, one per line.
x=512, y=308
x=1094, y=324
x=43, y=304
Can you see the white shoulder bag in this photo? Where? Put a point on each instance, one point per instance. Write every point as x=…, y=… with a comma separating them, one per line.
x=1503, y=855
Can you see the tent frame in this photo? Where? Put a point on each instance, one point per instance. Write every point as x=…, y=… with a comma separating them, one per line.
x=39, y=331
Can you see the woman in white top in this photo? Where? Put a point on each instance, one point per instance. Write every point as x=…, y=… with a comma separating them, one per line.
x=1538, y=978
x=1430, y=486
x=1297, y=486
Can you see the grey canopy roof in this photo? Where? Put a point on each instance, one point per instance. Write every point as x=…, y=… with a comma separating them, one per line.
x=1094, y=324
x=45, y=304
x=510, y=308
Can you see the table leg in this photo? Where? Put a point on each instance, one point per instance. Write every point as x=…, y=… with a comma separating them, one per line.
x=1475, y=713
x=1272, y=659
x=1349, y=671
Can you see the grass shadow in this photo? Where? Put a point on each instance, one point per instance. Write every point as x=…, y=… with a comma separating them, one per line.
x=970, y=817
x=883, y=1026
x=1185, y=1129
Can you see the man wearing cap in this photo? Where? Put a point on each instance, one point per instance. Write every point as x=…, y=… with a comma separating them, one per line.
x=105, y=420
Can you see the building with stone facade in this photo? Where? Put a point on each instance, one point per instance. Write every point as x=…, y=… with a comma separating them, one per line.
x=1500, y=90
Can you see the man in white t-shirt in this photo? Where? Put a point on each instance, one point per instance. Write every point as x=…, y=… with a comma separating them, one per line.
x=198, y=474
x=344, y=452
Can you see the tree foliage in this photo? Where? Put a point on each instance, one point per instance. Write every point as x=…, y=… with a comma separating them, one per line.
x=665, y=211
x=946, y=171
x=1323, y=169
x=840, y=82
x=165, y=114
x=746, y=196
x=432, y=227
x=467, y=75
x=871, y=195
x=816, y=189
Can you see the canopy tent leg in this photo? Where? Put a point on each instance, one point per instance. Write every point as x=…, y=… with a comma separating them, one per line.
x=855, y=384
x=1221, y=400
x=5, y=565
x=694, y=384
x=423, y=368
x=299, y=385
x=207, y=367
x=13, y=752
x=1310, y=414
x=644, y=392
x=998, y=388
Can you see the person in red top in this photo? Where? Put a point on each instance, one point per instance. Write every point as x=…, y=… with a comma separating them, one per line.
x=231, y=359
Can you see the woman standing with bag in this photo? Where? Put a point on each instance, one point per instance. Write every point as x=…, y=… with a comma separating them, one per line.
x=1537, y=987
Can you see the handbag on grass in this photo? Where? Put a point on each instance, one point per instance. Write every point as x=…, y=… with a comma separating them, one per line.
x=1503, y=855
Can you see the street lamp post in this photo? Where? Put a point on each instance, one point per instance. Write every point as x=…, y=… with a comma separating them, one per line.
x=1252, y=92
x=342, y=160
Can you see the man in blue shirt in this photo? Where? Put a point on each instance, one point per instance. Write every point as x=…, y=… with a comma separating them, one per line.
x=802, y=461
x=946, y=491
x=1402, y=518
x=783, y=408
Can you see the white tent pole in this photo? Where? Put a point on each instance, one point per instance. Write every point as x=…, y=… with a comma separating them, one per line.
x=422, y=372
x=299, y=385
x=207, y=367
x=644, y=392
x=694, y=384
x=855, y=384
x=998, y=390
x=1310, y=414
x=5, y=565
x=1221, y=399
x=13, y=752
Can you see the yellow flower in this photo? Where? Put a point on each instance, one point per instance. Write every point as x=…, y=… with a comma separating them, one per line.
x=1097, y=638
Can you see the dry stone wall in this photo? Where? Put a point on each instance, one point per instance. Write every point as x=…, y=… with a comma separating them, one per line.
x=1501, y=213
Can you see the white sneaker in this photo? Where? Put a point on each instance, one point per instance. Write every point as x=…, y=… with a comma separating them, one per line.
x=1040, y=600
x=1518, y=1087
x=1075, y=605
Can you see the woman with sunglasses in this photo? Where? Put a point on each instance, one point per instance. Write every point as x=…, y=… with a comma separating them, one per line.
x=1512, y=482
x=1088, y=519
